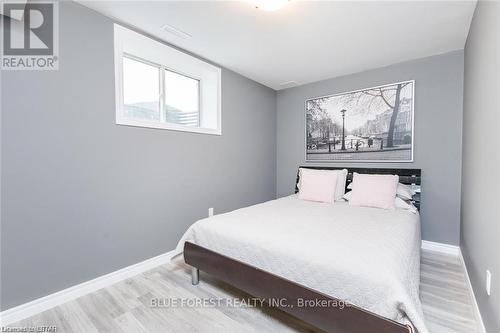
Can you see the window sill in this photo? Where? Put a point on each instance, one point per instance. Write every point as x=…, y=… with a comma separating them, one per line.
x=167, y=126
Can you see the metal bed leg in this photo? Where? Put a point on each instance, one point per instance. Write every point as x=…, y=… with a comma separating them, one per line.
x=195, y=276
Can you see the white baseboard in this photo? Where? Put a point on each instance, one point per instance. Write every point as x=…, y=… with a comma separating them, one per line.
x=441, y=247
x=39, y=305
x=477, y=313
x=456, y=251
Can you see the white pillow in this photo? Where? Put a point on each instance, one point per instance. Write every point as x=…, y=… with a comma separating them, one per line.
x=377, y=191
x=341, y=180
x=398, y=203
x=401, y=204
x=317, y=185
x=403, y=191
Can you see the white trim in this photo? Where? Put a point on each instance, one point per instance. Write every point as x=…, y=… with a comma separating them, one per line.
x=168, y=126
x=441, y=247
x=39, y=305
x=477, y=313
x=456, y=251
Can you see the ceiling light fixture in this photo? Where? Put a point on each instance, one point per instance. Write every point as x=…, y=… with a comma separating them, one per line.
x=270, y=5
x=174, y=31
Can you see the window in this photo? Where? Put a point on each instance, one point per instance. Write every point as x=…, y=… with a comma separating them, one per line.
x=158, y=86
x=182, y=99
x=177, y=102
x=141, y=90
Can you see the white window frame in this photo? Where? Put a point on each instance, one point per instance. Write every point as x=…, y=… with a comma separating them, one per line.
x=138, y=47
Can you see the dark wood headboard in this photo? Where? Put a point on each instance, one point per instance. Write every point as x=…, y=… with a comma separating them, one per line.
x=406, y=176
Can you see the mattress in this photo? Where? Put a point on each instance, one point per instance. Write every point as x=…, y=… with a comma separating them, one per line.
x=368, y=257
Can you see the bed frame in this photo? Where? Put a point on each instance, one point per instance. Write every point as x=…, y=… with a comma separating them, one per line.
x=265, y=285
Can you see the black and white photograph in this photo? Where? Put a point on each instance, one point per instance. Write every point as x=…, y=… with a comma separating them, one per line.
x=374, y=124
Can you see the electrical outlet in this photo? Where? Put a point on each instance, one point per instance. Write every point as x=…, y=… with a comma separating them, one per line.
x=488, y=282
x=210, y=212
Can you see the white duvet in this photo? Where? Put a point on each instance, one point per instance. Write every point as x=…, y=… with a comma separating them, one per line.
x=366, y=256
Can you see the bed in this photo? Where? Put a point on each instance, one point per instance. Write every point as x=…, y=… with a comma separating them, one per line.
x=324, y=255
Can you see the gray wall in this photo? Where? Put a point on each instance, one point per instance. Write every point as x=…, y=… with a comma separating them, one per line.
x=82, y=197
x=481, y=160
x=438, y=134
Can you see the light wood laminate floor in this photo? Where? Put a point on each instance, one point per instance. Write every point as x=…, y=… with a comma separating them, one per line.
x=126, y=306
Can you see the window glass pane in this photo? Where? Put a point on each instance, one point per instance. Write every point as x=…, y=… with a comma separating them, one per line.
x=141, y=90
x=182, y=99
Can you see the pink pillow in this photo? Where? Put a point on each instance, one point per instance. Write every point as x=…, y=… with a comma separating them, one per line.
x=317, y=185
x=377, y=191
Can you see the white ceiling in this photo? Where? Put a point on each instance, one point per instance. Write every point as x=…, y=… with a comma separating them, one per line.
x=305, y=41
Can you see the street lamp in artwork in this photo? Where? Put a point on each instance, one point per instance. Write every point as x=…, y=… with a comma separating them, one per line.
x=343, y=129
x=329, y=139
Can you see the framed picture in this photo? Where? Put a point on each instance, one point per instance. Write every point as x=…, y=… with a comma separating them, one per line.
x=368, y=125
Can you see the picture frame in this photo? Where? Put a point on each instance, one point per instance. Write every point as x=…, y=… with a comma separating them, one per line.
x=364, y=125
